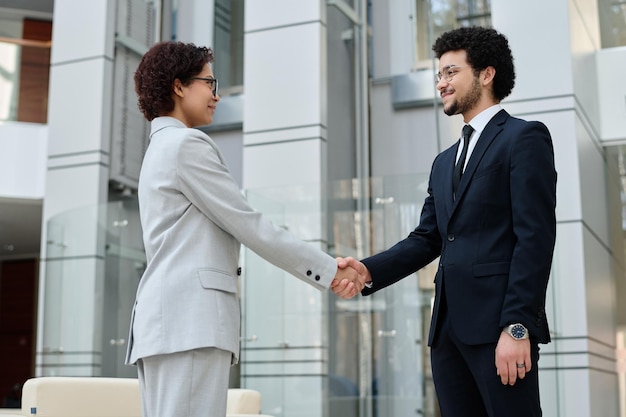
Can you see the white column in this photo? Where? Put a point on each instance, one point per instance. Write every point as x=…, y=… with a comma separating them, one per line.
x=72, y=265
x=285, y=150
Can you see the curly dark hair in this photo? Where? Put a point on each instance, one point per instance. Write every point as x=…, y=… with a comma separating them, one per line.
x=484, y=47
x=159, y=67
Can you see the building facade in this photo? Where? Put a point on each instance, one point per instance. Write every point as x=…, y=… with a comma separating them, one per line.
x=330, y=121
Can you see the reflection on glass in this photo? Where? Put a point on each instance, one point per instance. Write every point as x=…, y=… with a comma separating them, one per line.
x=446, y=15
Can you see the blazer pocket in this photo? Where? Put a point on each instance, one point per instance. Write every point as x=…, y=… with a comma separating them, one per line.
x=213, y=279
x=488, y=169
x=492, y=268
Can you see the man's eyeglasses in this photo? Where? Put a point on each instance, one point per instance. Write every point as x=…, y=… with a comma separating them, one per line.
x=448, y=72
x=211, y=81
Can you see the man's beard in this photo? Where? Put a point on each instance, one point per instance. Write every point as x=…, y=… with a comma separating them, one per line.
x=465, y=103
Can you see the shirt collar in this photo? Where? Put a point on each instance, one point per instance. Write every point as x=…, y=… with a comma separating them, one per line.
x=481, y=119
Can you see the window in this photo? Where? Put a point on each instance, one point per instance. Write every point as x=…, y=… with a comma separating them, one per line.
x=228, y=44
x=24, y=69
x=435, y=17
x=136, y=25
x=10, y=55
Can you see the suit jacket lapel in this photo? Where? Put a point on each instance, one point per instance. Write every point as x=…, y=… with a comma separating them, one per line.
x=487, y=136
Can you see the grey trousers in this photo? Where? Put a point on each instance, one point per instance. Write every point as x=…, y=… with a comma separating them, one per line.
x=185, y=384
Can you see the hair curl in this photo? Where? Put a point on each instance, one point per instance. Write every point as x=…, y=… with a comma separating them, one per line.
x=485, y=47
x=159, y=67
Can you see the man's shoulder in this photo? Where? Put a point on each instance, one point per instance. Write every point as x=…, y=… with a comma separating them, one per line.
x=518, y=122
x=447, y=153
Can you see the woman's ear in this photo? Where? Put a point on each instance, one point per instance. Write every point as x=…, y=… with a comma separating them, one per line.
x=177, y=88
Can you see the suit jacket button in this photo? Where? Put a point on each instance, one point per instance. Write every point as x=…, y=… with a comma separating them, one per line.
x=451, y=238
x=239, y=271
x=308, y=273
x=317, y=277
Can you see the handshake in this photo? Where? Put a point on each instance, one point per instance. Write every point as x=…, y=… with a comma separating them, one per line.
x=350, y=278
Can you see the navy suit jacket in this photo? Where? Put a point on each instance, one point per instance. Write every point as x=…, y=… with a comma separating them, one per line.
x=495, y=240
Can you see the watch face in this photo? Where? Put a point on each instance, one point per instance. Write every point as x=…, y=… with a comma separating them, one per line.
x=518, y=331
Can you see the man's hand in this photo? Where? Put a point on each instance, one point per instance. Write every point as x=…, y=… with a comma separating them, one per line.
x=350, y=279
x=512, y=359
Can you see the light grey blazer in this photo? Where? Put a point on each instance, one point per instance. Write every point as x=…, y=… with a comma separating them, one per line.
x=194, y=220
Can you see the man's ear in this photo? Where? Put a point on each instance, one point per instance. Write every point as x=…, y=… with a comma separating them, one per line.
x=487, y=75
x=177, y=88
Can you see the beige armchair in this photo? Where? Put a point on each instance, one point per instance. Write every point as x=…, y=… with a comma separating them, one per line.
x=80, y=397
x=244, y=402
x=105, y=397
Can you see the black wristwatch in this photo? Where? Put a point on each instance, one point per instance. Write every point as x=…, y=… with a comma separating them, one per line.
x=517, y=331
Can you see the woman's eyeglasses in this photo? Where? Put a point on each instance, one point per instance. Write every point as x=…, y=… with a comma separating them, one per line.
x=211, y=81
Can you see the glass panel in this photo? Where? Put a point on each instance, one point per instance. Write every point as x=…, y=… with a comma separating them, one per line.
x=400, y=313
x=377, y=356
x=284, y=319
x=72, y=317
x=257, y=331
x=125, y=263
x=94, y=261
x=263, y=339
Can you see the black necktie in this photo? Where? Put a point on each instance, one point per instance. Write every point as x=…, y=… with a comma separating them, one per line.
x=458, y=168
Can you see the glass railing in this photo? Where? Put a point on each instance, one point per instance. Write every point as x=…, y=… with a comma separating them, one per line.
x=371, y=358
x=94, y=259
x=309, y=352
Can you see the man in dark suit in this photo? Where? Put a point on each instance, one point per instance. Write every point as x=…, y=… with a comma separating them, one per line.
x=490, y=217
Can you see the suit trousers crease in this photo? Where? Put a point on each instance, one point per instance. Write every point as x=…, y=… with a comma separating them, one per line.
x=192, y=383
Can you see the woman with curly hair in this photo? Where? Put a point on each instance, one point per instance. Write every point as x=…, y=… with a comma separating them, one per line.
x=184, y=332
